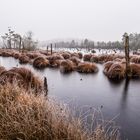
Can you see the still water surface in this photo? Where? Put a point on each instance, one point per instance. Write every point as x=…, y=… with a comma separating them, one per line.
x=121, y=99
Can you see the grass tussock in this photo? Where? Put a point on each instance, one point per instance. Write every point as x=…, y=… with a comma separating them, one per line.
x=40, y=62
x=135, y=70
x=75, y=60
x=135, y=59
x=23, y=59
x=87, y=57
x=24, y=116
x=114, y=70
x=2, y=69
x=66, y=55
x=32, y=55
x=86, y=67
x=23, y=76
x=66, y=66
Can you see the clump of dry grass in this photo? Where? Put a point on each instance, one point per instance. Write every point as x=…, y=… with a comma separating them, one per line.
x=105, y=58
x=107, y=66
x=94, y=58
x=2, y=69
x=135, y=70
x=80, y=55
x=5, y=53
x=87, y=57
x=24, y=116
x=32, y=55
x=16, y=55
x=75, y=60
x=86, y=67
x=40, y=62
x=66, y=66
x=23, y=76
x=135, y=59
x=23, y=59
x=66, y=55
x=114, y=70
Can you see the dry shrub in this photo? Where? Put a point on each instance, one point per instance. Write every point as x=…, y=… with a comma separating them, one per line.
x=135, y=59
x=86, y=67
x=66, y=66
x=23, y=76
x=24, y=116
x=135, y=70
x=87, y=57
x=23, y=59
x=116, y=71
x=40, y=62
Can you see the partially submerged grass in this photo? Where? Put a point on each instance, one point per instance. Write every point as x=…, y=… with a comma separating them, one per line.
x=114, y=70
x=135, y=70
x=86, y=67
x=66, y=66
x=23, y=59
x=24, y=116
x=40, y=62
x=87, y=57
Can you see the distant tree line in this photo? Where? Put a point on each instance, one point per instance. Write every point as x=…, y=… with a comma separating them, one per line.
x=134, y=40
x=13, y=40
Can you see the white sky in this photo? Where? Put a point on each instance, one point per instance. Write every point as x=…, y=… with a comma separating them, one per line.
x=50, y=19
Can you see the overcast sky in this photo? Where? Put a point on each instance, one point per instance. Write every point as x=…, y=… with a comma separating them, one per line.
x=52, y=19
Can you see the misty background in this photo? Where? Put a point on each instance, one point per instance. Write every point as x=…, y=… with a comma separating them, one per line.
x=102, y=20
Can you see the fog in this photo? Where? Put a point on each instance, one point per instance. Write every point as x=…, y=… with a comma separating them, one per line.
x=62, y=19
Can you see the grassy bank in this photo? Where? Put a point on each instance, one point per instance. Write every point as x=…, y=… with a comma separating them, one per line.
x=27, y=116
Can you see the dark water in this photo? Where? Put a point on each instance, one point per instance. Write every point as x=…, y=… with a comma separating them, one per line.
x=121, y=99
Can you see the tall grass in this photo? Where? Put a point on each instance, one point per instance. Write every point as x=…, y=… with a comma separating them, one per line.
x=25, y=116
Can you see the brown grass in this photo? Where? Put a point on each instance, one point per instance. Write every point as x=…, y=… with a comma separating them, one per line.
x=80, y=55
x=107, y=66
x=66, y=66
x=105, y=58
x=135, y=70
x=23, y=76
x=115, y=71
x=66, y=55
x=2, y=69
x=24, y=116
x=32, y=55
x=23, y=59
x=75, y=60
x=135, y=59
x=86, y=67
x=87, y=57
x=40, y=62
x=16, y=55
x=94, y=58
x=6, y=54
